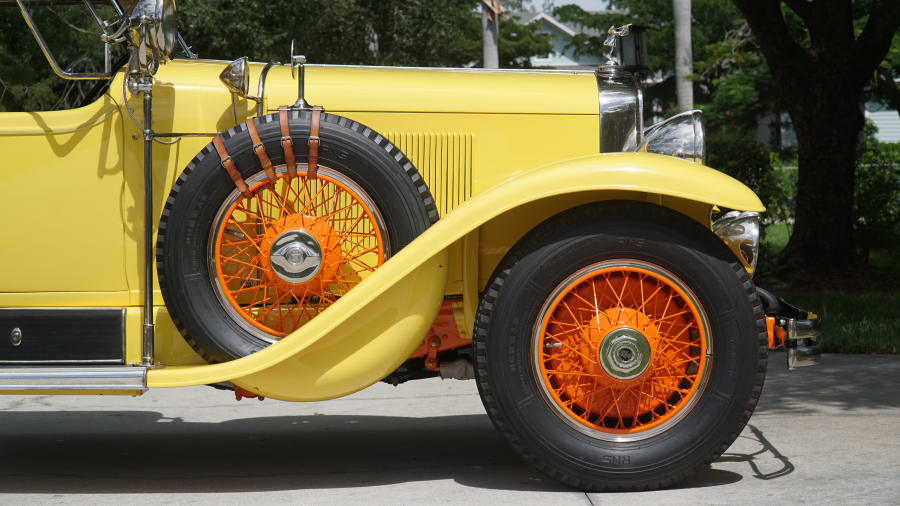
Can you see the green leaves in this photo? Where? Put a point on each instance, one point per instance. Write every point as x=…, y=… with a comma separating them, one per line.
x=519, y=42
x=26, y=81
x=366, y=32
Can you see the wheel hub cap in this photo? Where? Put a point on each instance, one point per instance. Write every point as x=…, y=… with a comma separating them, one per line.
x=295, y=256
x=625, y=353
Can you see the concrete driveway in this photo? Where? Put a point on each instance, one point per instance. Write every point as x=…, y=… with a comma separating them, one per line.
x=827, y=434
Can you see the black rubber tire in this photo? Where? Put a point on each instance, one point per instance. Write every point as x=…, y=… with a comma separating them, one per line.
x=561, y=246
x=347, y=147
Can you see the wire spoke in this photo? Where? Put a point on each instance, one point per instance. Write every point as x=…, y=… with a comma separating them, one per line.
x=339, y=220
x=579, y=380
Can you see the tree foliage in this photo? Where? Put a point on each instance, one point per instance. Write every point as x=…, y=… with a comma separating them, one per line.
x=26, y=81
x=731, y=82
x=821, y=55
x=877, y=207
x=519, y=42
x=719, y=44
x=372, y=32
x=367, y=32
x=756, y=58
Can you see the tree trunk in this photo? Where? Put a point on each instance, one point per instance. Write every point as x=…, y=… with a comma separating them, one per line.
x=822, y=81
x=684, y=65
x=827, y=118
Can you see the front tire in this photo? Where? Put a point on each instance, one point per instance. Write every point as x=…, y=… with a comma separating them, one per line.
x=620, y=346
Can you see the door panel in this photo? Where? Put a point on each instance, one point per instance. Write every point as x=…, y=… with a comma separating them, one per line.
x=61, y=180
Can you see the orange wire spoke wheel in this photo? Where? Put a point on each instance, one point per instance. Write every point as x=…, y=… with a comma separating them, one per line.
x=622, y=350
x=295, y=246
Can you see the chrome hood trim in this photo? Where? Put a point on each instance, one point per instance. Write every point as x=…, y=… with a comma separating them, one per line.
x=621, y=120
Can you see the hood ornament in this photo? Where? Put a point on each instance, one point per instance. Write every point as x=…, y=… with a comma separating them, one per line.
x=614, y=33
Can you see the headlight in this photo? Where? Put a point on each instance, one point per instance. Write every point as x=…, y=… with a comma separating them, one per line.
x=153, y=30
x=740, y=232
x=681, y=136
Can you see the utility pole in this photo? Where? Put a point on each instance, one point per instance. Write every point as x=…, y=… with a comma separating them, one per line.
x=490, y=22
x=684, y=61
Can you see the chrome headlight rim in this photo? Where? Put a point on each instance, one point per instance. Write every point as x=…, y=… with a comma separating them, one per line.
x=740, y=231
x=681, y=136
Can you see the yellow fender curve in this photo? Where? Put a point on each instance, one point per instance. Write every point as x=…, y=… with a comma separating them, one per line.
x=370, y=331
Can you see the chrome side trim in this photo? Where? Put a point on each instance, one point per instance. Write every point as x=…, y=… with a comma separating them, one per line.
x=73, y=378
x=399, y=67
x=56, y=362
x=57, y=308
x=619, y=98
x=461, y=69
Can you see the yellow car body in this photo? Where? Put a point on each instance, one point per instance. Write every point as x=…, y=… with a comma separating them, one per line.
x=501, y=151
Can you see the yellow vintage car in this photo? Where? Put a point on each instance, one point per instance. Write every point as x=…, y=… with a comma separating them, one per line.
x=346, y=225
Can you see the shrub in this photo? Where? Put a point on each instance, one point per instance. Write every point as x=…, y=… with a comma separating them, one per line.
x=738, y=154
x=877, y=207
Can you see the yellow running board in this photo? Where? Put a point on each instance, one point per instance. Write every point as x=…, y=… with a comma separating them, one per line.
x=369, y=332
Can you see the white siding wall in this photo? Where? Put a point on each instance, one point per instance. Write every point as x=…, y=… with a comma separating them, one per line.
x=562, y=57
x=888, y=123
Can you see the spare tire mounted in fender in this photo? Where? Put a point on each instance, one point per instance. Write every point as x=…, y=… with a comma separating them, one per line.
x=251, y=246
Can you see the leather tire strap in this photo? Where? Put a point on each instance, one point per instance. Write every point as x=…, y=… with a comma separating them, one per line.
x=287, y=145
x=313, y=159
x=228, y=165
x=260, y=150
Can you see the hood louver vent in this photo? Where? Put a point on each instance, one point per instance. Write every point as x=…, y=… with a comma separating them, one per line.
x=444, y=160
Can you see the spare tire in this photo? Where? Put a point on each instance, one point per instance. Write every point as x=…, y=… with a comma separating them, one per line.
x=238, y=271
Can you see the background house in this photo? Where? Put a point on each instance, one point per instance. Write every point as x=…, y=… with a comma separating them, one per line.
x=561, y=56
x=886, y=119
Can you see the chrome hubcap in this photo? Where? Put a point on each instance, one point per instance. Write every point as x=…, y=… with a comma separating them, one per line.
x=625, y=353
x=295, y=256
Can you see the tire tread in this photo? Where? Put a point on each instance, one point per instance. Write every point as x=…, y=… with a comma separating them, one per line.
x=491, y=404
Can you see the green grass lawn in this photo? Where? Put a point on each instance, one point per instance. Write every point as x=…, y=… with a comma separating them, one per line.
x=857, y=322
x=861, y=321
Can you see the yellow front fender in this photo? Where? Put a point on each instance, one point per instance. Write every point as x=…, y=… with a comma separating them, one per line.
x=370, y=331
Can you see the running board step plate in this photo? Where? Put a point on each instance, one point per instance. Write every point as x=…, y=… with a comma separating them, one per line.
x=117, y=378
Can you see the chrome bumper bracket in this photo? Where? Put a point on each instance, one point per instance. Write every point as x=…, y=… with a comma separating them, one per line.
x=802, y=341
x=798, y=330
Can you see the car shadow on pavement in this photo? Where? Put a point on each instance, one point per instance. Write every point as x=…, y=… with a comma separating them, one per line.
x=753, y=458
x=143, y=451
x=60, y=452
